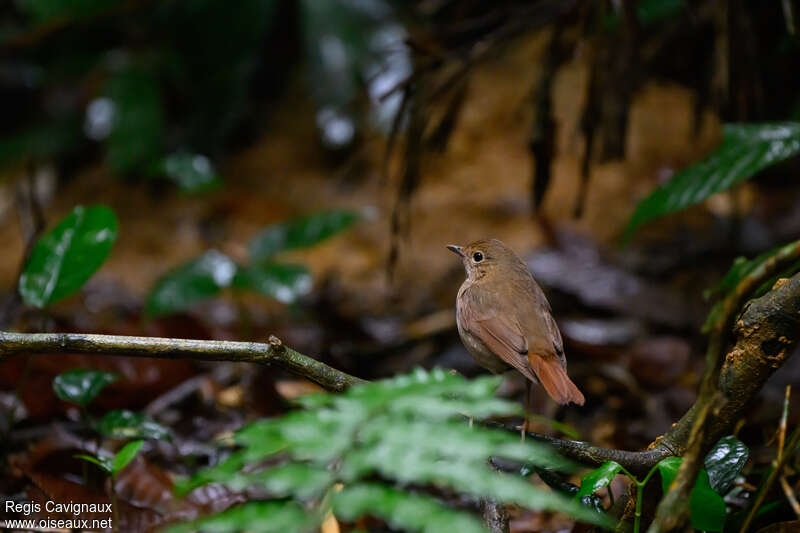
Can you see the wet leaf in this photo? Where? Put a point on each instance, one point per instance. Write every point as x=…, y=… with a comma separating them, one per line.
x=190, y=283
x=67, y=256
x=125, y=456
x=81, y=386
x=136, y=133
x=598, y=478
x=299, y=233
x=746, y=149
x=284, y=282
x=193, y=173
x=123, y=424
x=724, y=463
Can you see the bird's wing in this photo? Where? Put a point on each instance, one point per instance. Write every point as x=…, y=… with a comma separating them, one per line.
x=502, y=335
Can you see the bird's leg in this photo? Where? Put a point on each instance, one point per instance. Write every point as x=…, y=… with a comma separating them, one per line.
x=526, y=405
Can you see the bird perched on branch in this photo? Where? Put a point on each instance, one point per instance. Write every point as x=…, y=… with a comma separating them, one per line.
x=505, y=321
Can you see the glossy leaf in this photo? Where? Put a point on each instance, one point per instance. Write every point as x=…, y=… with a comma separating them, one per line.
x=299, y=233
x=136, y=134
x=745, y=150
x=81, y=386
x=724, y=463
x=190, y=283
x=66, y=257
x=104, y=462
x=598, y=478
x=268, y=517
x=402, y=510
x=707, y=507
x=123, y=424
x=193, y=173
x=125, y=456
x=284, y=282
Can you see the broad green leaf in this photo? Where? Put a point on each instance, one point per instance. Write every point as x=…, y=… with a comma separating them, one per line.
x=102, y=461
x=81, y=386
x=190, y=283
x=668, y=468
x=403, y=510
x=125, y=456
x=284, y=282
x=123, y=424
x=745, y=150
x=724, y=462
x=264, y=517
x=598, y=478
x=41, y=11
x=707, y=507
x=136, y=134
x=299, y=233
x=66, y=257
x=193, y=173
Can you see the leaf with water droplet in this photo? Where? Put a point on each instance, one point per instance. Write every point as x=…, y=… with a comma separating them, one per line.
x=284, y=282
x=191, y=282
x=193, y=173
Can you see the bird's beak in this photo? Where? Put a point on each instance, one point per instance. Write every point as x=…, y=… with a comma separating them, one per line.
x=455, y=249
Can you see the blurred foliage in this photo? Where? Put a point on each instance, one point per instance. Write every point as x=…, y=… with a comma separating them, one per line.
x=112, y=464
x=67, y=256
x=124, y=424
x=206, y=276
x=745, y=150
x=82, y=386
x=409, y=431
x=299, y=233
x=167, y=86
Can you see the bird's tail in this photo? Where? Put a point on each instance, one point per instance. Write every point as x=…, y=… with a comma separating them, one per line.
x=555, y=380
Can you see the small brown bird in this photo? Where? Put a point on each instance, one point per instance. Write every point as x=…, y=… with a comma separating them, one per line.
x=504, y=320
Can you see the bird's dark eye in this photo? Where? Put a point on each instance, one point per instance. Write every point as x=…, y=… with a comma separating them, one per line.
x=477, y=257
